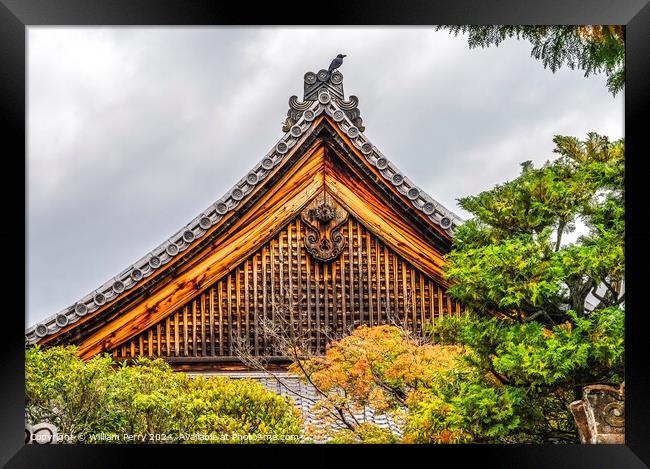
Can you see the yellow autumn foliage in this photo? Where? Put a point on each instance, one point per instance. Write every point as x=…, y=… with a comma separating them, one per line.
x=378, y=366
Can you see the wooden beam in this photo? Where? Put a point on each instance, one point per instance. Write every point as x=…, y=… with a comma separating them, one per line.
x=212, y=313
x=194, y=340
x=422, y=297
x=264, y=295
x=168, y=350
x=300, y=272
x=203, y=321
x=185, y=332
x=175, y=319
x=377, y=176
x=220, y=299
x=387, y=225
x=207, y=266
x=230, y=321
x=247, y=303
x=254, y=229
x=360, y=286
x=311, y=160
x=351, y=271
x=378, y=277
x=317, y=295
x=256, y=349
x=158, y=339
x=278, y=204
x=388, y=311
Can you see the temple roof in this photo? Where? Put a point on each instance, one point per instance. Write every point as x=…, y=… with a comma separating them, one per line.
x=323, y=94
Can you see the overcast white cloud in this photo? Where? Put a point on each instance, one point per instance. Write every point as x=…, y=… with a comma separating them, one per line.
x=134, y=131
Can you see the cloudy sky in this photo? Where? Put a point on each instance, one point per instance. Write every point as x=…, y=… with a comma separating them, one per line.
x=132, y=132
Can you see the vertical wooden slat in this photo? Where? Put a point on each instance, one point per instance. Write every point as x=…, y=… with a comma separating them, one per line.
x=141, y=345
x=132, y=348
x=281, y=269
x=220, y=299
x=368, y=270
x=247, y=302
x=211, y=312
x=298, y=249
x=255, y=312
x=159, y=337
x=309, y=299
x=414, y=298
x=440, y=301
x=278, y=278
x=404, y=292
x=351, y=269
x=203, y=321
x=457, y=309
x=422, y=305
x=344, y=268
x=176, y=340
x=230, y=324
x=272, y=280
x=378, y=275
x=360, y=269
x=168, y=350
x=396, y=290
x=264, y=296
x=432, y=303
x=327, y=303
x=185, y=341
x=194, y=340
x=317, y=285
x=289, y=257
x=449, y=311
x=238, y=303
x=387, y=294
x=334, y=308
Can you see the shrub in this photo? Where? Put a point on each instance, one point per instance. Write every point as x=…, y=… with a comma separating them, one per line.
x=148, y=399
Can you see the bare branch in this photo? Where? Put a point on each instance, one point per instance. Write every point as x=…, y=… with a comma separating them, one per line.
x=537, y=314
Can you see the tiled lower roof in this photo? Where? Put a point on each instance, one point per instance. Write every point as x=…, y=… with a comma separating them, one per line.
x=304, y=395
x=323, y=95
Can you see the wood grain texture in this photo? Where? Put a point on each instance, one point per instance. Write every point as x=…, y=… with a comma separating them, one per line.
x=265, y=195
x=156, y=296
x=357, y=288
x=319, y=298
x=252, y=230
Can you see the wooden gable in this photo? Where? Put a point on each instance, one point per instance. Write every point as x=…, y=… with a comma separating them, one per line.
x=223, y=272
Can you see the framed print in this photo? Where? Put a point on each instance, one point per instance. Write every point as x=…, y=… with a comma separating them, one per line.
x=398, y=228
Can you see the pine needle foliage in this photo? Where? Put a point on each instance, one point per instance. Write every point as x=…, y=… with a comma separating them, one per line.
x=591, y=48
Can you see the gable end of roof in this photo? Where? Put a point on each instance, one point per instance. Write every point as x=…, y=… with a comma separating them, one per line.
x=323, y=95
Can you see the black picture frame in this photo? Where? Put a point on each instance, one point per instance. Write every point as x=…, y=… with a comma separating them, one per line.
x=16, y=15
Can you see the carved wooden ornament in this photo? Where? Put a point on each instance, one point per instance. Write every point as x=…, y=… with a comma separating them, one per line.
x=323, y=218
x=600, y=415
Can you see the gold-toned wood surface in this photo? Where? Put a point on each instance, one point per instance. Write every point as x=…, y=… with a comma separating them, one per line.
x=367, y=284
x=209, y=273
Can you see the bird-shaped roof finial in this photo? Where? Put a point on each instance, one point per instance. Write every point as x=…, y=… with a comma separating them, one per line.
x=336, y=63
